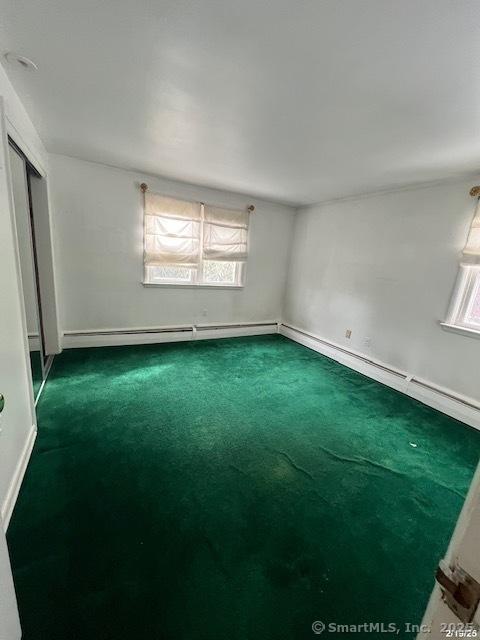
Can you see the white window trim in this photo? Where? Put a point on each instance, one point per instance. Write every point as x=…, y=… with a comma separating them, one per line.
x=242, y=276
x=178, y=285
x=462, y=297
x=456, y=328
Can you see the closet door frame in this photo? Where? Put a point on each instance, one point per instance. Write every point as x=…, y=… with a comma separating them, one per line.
x=29, y=170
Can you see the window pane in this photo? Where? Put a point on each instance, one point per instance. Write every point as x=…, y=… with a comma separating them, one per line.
x=465, y=306
x=219, y=272
x=169, y=274
x=472, y=315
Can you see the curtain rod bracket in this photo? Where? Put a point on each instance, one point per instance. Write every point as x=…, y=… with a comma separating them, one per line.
x=475, y=192
x=251, y=208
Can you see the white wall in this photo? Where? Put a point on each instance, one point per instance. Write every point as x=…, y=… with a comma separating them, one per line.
x=15, y=377
x=17, y=418
x=384, y=266
x=9, y=621
x=98, y=215
x=20, y=127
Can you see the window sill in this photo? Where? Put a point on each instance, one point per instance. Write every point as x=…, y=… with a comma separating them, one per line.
x=177, y=285
x=454, y=328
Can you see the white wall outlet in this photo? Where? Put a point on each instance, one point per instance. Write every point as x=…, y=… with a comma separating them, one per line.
x=204, y=313
x=367, y=342
x=348, y=333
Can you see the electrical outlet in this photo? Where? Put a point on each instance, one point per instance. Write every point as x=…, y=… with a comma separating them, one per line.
x=348, y=333
x=367, y=342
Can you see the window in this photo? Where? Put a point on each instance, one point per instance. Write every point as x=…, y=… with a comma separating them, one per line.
x=464, y=312
x=190, y=243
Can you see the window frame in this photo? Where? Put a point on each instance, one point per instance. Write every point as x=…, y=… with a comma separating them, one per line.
x=196, y=281
x=466, y=288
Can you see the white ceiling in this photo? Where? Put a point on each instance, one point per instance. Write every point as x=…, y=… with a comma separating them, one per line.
x=292, y=100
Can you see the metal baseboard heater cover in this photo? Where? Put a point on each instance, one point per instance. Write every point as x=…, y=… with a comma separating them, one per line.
x=123, y=332
x=451, y=396
x=208, y=327
x=179, y=329
x=408, y=379
x=347, y=352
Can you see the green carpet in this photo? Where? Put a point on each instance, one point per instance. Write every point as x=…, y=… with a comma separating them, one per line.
x=230, y=490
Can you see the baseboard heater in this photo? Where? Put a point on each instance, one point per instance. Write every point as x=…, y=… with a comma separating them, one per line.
x=442, y=399
x=446, y=394
x=127, y=332
x=244, y=325
x=350, y=354
x=180, y=329
x=152, y=335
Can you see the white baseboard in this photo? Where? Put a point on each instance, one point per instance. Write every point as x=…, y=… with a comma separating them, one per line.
x=16, y=483
x=208, y=332
x=462, y=408
x=76, y=340
x=181, y=333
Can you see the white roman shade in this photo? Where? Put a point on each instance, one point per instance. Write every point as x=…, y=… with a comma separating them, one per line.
x=472, y=248
x=172, y=231
x=193, y=243
x=225, y=234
